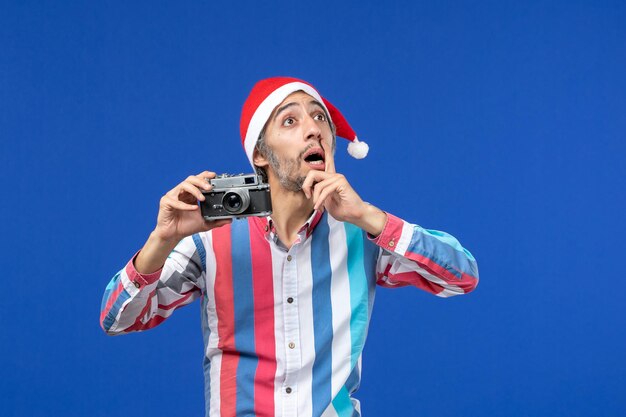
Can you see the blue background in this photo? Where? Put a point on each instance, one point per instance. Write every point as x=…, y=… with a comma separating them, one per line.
x=502, y=123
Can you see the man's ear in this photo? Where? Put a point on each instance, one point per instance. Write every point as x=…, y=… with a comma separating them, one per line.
x=258, y=159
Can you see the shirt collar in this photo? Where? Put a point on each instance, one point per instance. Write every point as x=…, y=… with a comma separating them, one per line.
x=269, y=230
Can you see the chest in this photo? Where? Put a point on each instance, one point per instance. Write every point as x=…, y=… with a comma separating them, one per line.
x=321, y=284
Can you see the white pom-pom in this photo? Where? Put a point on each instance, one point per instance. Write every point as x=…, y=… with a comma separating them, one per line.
x=358, y=149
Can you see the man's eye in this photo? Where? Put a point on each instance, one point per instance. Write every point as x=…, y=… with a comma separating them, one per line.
x=320, y=116
x=289, y=121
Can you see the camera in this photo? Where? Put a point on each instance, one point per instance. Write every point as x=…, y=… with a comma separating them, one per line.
x=236, y=196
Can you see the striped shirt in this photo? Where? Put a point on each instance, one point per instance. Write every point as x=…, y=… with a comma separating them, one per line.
x=283, y=328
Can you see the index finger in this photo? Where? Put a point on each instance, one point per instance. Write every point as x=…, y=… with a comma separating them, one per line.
x=207, y=175
x=329, y=158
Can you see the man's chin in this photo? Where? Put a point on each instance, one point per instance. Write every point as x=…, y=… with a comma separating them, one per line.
x=292, y=184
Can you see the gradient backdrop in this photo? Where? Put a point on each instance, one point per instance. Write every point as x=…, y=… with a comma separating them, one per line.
x=502, y=123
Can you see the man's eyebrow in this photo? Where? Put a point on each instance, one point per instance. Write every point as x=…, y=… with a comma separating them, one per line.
x=317, y=103
x=282, y=108
x=293, y=103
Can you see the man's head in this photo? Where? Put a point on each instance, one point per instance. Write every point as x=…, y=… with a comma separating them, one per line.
x=283, y=107
x=298, y=137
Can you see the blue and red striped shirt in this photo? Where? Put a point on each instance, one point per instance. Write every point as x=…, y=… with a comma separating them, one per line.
x=284, y=329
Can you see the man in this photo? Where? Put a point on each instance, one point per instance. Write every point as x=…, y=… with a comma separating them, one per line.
x=286, y=300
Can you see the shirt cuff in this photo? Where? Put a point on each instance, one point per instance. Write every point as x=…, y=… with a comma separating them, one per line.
x=390, y=236
x=138, y=279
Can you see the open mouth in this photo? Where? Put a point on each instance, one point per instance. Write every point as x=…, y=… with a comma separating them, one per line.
x=314, y=158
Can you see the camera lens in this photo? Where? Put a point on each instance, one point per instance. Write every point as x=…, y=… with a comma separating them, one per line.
x=235, y=202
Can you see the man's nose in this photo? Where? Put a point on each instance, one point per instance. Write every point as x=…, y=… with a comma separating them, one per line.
x=312, y=129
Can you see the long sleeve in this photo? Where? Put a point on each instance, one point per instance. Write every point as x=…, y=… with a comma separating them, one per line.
x=134, y=302
x=428, y=259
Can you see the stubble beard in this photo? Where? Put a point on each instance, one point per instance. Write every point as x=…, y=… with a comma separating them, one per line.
x=286, y=170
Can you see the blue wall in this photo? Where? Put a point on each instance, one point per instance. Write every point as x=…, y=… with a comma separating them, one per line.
x=502, y=123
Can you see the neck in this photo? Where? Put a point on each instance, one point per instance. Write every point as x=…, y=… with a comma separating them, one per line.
x=290, y=209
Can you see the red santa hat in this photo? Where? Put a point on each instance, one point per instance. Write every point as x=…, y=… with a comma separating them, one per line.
x=269, y=93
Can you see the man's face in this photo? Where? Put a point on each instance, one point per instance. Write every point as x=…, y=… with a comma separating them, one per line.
x=298, y=138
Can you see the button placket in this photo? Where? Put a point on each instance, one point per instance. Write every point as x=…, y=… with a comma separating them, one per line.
x=292, y=332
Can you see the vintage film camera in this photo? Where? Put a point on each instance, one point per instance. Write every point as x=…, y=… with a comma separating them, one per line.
x=236, y=196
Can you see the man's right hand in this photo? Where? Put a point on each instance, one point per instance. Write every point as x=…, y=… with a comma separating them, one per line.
x=179, y=216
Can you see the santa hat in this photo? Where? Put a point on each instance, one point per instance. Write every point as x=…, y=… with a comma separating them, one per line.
x=269, y=93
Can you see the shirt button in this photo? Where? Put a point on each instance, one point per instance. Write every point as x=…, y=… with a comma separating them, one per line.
x=289, y=258
x=391, y=243
x=267, y=228
x=288, y=390
x=137, y=284
x=290, y=300
x=292, y=345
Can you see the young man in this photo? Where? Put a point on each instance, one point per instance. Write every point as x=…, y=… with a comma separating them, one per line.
x=286, y=300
